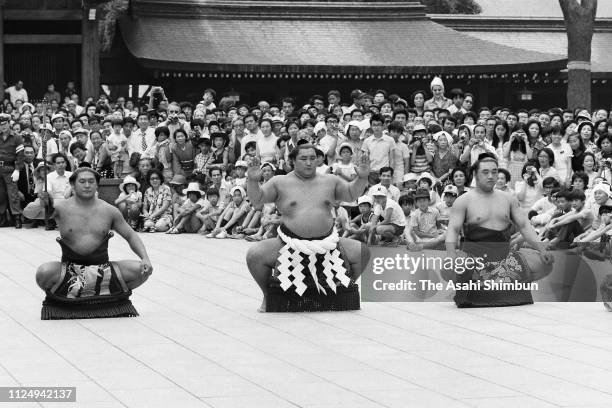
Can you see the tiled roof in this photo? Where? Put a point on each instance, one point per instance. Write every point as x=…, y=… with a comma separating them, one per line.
x=419, y=46
x=554, y=42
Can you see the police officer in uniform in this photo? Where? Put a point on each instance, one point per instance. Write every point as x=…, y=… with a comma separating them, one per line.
x=11, y=163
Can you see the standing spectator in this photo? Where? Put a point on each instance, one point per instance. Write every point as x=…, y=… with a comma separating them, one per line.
x=516, y=152
x=266, y=145
x=208, y=99
x=26, y=183
x=379, y=148
x=142, y=140
x=11, y=158
x=52, y=94
x=438, y=101
x=401, y=152
x=457, y=97
x=58, y=185
x=17, y=92
x=70, y=89
x=444, y=161
x=563, y=158
x=183, y=154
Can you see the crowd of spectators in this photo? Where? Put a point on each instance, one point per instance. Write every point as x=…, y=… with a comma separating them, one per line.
x=184, y=165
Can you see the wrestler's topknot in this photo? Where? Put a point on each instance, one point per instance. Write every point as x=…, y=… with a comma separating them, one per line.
x=80, y=170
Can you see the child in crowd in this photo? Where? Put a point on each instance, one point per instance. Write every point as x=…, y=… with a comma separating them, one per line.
x=116, y=143
x=250, y=151
x=573, y=223
x=185, y=219
x=359, y=227
x=240, y=167
x=427, y=182
x=322, y=168
x=341, y=218
x=425, y=223
x=563, y=206
x=232, y=215
x=131, y=199
x=177, y=185
x=407, y=203
x=210, y=211
x=163, y=152
x=410, y=183
x=449, y=195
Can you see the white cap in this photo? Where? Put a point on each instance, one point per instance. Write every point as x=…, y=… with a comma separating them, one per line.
x=241, y=163
x=365, y=199
x=450, y=189
x=238, y=188
x=378, y=191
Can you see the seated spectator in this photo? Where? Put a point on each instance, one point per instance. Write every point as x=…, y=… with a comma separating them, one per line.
x=185, y=219
x=240, y=168
x=424, y=221
x=210, y=211
x=232, y=214
x=177, y=185
x=573, y=223
x=129, y=201
x=410, y=183
x=389, y=222
x=549, y=233
x=202, y=160
x=359, y=227
x=407, y=204
x=157, y=210
x=449, y=195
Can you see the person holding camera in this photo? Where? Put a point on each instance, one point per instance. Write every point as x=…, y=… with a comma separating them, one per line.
x=476, y=146
x=528, y=189
x=604, y=144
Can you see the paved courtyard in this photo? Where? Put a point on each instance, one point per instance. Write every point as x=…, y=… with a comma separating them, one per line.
x=199, y=342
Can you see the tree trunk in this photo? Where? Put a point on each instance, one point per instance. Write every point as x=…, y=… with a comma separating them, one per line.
x=579, y=16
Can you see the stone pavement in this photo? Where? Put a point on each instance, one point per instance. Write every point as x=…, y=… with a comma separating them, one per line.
x=199, y=342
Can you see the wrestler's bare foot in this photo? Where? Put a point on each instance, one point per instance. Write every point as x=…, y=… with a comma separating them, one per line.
x=262, y=308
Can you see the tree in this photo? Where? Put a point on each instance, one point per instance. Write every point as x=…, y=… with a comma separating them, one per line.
x=579, y=16
x=451, y=6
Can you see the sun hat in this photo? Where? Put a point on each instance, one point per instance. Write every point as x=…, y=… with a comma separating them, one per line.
x=241, y=163
x=194, y=187
x=347, y=145
x=178, y=180
x=422, y=193
x=129, y=180
x=426, y=175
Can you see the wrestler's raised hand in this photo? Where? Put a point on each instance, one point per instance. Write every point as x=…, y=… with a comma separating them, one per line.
x=253, y=169
x=363, y=166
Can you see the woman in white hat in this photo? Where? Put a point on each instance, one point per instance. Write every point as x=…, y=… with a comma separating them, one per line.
x=438, y=100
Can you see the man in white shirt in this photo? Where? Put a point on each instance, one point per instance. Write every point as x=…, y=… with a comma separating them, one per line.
x=58, y=186
x=252, y=132
x=208, y=99
x=143, y=139
x=389, y=221
x=386, y=177
x=17, y=92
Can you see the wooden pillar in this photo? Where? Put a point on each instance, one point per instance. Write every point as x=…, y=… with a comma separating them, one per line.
x=90, y=56
x=483, y=93
x=2, y=50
